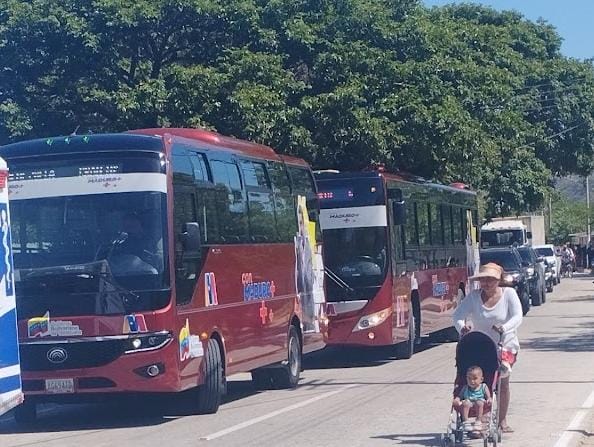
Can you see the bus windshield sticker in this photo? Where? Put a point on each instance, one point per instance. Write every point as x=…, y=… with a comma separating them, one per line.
x=309, y=268
x=134, y=323
x=265, y=312
x=210, y=290
x=190, y=346
x=256, y=290
x=43, y=327
x=355, y=217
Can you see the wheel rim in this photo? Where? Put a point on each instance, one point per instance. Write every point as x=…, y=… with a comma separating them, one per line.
x=294, y=356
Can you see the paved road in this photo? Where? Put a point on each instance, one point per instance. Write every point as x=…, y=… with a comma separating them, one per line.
x=358, y=398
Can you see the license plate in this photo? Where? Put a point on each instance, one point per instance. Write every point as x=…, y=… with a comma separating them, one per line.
x=59, y=386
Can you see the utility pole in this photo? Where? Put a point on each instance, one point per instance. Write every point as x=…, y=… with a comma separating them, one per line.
x=588, y=206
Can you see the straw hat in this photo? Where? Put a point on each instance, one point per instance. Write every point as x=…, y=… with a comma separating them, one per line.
x=490, y=270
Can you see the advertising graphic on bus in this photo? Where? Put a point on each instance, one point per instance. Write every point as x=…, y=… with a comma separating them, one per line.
x=398, y=251
x=11, y=393
x=161, y=260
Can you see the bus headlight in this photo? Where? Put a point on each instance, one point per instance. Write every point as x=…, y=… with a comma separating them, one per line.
x=146, y=342
x=372, y=320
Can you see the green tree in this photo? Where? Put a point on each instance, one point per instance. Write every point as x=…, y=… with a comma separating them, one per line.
x=458, y=93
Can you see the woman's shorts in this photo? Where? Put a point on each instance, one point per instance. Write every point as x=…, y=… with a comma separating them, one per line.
x=508, y=358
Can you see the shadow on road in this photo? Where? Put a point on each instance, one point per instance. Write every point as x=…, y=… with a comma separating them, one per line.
x=357, y=357
x=137, y=411
x=427, y=439
x=582, y=341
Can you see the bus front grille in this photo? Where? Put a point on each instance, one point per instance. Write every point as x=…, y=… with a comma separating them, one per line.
x=59, y=356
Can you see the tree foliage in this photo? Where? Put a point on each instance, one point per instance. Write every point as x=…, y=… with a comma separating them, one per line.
x=460, y=93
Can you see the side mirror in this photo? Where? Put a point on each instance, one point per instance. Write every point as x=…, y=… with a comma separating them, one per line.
x=399, y=213
x=529, y=234
x=190, y=236
x=312, y=209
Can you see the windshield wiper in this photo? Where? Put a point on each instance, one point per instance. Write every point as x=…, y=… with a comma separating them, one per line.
x=93, y=270
x=337, y=279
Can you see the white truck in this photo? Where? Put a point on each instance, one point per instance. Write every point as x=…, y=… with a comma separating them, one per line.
x=521, y=230
x=11, y=393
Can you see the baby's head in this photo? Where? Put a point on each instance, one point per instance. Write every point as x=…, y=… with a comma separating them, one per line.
x=474, y=376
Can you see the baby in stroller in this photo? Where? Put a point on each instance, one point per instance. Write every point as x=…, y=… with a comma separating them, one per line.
x=474, y=410
x=473, y=396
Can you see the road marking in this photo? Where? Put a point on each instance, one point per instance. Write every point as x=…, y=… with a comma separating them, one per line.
x=571, y=431
x=265, y=417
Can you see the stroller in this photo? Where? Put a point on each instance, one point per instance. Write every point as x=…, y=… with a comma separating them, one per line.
x=476, y=348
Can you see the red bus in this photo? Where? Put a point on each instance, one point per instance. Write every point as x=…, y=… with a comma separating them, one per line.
x=398, y=250
x=161, y=260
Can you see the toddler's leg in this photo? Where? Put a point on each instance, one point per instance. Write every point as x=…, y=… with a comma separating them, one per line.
x=466, y=405
x=479, y=406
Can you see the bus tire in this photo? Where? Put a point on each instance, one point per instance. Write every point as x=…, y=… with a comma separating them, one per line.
x=25, y=413
x=406, y=349
x=287, y=376
x=210, y=393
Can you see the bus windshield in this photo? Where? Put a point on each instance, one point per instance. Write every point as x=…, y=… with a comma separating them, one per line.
x=501, y=238
x=358, y=256
x=125, y=229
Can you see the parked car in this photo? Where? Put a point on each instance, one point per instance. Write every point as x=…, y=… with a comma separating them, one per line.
x=535, y=271
x=514, y=274
x=553, y=259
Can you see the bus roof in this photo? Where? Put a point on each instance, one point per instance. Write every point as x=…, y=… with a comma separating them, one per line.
x=141, y=140
x=213, y=140
x=82, y=143
x=400, y=177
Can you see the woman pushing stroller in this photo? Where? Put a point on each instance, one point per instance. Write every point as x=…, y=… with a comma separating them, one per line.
x=497, y=312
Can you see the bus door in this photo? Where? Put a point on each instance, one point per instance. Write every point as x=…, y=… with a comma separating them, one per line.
x=11, y=393
x=401, y=281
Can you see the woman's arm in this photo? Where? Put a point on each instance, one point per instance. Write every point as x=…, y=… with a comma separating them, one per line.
x=514, y=311
x=463, y=311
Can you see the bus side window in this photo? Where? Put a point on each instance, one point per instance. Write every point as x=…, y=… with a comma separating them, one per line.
x=436, y=225
x=446, y=212
x=260, y=202
x=458, y=224
x=423, y=223
x=284, y=205
x=231, y=202
x=303, y=184
x=187, y=264
x=412, y=240
x=205, y=200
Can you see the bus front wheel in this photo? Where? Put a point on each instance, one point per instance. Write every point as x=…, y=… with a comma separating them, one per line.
x=210, y=393
x=287, y=376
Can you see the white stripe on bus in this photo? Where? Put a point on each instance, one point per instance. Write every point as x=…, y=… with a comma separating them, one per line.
x=88, y=184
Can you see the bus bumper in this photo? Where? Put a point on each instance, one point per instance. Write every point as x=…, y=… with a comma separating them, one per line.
x=141, y=372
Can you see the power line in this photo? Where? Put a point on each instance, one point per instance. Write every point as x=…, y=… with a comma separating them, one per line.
x=555, y=135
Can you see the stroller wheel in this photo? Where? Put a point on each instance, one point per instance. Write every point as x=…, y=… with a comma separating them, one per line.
x=445, y=440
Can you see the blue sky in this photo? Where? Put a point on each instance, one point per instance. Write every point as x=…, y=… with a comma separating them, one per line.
x=574, y=19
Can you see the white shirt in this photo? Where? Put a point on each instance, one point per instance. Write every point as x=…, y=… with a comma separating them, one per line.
x=507, y=313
